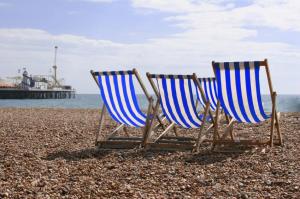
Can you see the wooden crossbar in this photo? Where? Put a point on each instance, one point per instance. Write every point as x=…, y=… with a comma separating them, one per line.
x=125, y=72
x=170, y=76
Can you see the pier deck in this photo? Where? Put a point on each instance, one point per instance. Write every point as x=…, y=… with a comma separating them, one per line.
x=11, y=93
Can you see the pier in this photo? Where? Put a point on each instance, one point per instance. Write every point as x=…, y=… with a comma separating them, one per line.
x=36, y=94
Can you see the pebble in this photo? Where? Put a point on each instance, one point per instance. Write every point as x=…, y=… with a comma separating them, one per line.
x=60, y=161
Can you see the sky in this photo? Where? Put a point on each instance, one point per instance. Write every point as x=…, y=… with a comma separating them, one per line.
x=157, y=36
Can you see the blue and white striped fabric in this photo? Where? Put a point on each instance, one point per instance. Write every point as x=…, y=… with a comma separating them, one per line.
x=239, y=90
x=209, y=86
x=176, y=99
x=118, y=94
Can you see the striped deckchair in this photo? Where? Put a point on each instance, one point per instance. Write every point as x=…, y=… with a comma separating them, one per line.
x=119, y=99
x=175, y=96
x=240, y=97
x=209, y=87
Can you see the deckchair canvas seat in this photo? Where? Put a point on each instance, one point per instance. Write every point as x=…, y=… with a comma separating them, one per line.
x=120, y=100
x=175, y=96
x=209, y=87
x=239, y=91
x=118, y=94
x=239, y=94
x=176, y=99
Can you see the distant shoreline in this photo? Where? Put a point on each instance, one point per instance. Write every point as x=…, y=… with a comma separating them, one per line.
x=285, y=103
x=90, y=109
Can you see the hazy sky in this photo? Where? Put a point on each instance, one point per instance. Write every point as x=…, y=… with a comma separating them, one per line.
x=159, y=36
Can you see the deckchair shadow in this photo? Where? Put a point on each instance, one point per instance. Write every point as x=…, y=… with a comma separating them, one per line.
x=208, y=156
x=77, y=155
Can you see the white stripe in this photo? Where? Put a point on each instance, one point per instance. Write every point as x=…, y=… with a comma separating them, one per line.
x=244, y=92
x=103, y=82
x=119, y=78
x=189, y=103
x=199, y=93
x=234, y=94
x=117, y=105
x=163, y=99
x=179, y=97
x=254, y=92
x=210, y=95
x=171, y=102
x=224, y=91
x=130, y=98
x=214, y=97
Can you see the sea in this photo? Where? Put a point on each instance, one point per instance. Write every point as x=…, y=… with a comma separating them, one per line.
x=285, y=103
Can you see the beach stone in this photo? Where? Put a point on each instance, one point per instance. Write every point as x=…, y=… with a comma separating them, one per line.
x=60, y=161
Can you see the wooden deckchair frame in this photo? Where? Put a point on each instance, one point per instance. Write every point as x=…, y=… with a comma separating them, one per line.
x=211, y=111
x=192, y=144
x=111, y=141
x=231, y=122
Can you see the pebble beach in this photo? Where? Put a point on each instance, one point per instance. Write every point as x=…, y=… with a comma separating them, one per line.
x=50, y=153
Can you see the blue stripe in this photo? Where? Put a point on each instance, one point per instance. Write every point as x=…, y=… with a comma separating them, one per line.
x=192, y=101
x=219, y=82
x=111, y=99
x=215, y=90
x=127, y=100
x=249, y=92
x=205, y=91
x=161, y=104
x=212, y=100
x=260, y=105
x=239, y=91
x=185, y=102
x=105, y=100
x=115, y=78
x=200, y=96
x=134, y=97
x=176, y=104
x=197, y=92
x=229, y=91
x=164, y=84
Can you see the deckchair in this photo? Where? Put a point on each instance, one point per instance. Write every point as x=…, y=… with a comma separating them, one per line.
x=239, y=95
x=209, y=88
x=175, y=96
x=119, y=99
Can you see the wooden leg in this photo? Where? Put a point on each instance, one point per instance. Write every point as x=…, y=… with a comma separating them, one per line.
x=165, y=131
x=150, y=121
x=175, y=131
x=160, y=120
x=227, y=118
x=216, y=125
x=231, y=133
x=273, y=118
x=114, y=132
x=126, y=131
x=227, y=129
x=278, y=129
x=102, y=118
x=202, y=126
